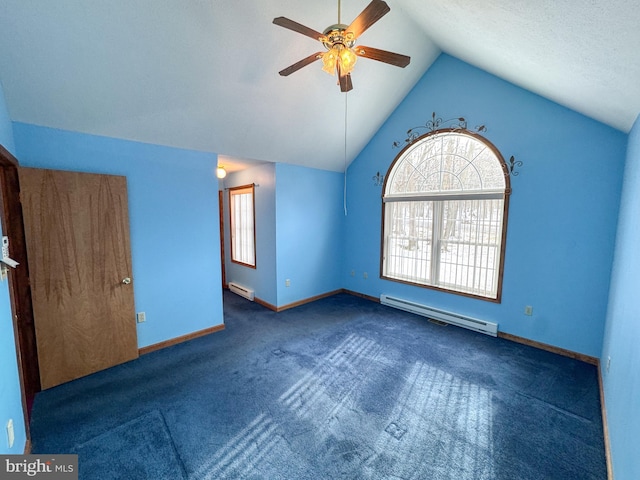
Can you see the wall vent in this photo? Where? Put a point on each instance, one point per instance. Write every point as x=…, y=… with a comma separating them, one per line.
x=488, y=328
x=240, y=290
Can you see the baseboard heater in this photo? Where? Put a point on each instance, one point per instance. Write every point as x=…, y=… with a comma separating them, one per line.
x=240, y=290
x=488, y=328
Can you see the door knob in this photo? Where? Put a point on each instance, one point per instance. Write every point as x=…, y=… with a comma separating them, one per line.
x=126, y=280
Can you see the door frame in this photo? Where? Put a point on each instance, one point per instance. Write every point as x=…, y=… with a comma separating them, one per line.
x=222, y=254
x=19, y=288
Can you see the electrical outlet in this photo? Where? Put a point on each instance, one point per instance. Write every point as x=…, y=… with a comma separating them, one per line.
x=353, y=273
x=608, y=364
x=287, y=283
x=10, y=434
x=365, y=275
x=141, y=317
x=528, y=310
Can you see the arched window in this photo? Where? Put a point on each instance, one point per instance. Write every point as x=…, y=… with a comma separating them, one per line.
x=444, y=211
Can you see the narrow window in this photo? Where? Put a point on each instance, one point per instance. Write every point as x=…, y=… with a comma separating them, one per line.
x=242, y=225
x=444, y=211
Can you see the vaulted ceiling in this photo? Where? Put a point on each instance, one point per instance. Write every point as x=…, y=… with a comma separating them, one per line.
x=203, y=74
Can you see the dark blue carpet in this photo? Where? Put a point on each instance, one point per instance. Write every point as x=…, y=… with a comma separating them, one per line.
x=136, y=450
x=339, y=388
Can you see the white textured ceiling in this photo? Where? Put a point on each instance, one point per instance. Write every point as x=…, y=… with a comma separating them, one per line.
x=202, y=74
x=581, y=54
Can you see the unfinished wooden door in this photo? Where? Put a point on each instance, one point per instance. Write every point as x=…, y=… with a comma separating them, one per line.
x=77, y=233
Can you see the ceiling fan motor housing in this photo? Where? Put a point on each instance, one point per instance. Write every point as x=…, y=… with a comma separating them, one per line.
x=337, y=35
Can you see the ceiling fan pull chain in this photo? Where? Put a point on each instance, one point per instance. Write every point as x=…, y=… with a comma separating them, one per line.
x=338, y=11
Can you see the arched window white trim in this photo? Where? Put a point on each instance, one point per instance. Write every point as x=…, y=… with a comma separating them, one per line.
x=444, y=209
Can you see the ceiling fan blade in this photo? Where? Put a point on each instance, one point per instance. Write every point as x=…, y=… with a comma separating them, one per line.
x=302, y=63
x=344, y=80
x=370, y=15
x=382, y=56
x=298, y=27
x=345, y=83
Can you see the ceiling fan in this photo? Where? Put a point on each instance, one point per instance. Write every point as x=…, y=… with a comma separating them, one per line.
x=340, y=42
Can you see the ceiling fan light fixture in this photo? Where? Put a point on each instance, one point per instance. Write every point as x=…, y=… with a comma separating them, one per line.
x=329, y=60
x=348, y=60
x=339, y=56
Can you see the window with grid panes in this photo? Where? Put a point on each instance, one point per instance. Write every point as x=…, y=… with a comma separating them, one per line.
x=242, y=225
x=445, y=204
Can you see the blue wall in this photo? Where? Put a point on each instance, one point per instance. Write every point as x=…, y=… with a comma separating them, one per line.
x=299, y=232
x=262, y=278
x=622, y=337
x=563, y=211
x=310, y=228
x=6, y=127
x=173, y=215
x=10, y=395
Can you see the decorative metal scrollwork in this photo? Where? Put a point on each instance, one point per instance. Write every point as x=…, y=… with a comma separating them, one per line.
x=436, y=123
x=459, y=123
x=378, y=179
x=513, y=163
